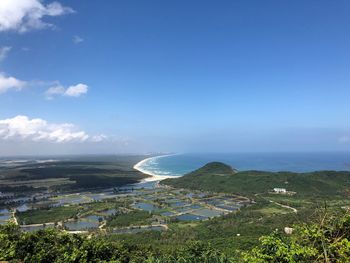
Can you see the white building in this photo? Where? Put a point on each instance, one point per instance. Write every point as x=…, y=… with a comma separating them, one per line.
x=280, y=190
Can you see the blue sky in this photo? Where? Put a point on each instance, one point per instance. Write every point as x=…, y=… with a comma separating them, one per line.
x=183, y=76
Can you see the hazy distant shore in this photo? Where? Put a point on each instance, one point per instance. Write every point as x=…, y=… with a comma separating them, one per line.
x=153, y=176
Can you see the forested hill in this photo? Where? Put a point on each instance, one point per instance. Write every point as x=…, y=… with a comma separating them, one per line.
x=220, y=177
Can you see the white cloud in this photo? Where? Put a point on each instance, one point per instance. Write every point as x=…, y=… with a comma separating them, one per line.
x=3, y=52
x=25, y=15
x=7, y=83
x=77, y=90
x=39, y=130
x=77, y=39
x=71, y=91
x=53, y=91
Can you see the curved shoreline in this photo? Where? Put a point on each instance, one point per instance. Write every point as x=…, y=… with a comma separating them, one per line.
x=153, y=176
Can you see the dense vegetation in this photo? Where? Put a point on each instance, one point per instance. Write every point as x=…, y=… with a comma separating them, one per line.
x=55, y=246
x=328, y=240
x=250, y=223
x=219, y=177
x=62, y=213
x=53, y=214
x=132, y=218
x=325, y=240
x=312, y=191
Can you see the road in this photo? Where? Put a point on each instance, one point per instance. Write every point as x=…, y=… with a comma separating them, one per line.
x=285, y=206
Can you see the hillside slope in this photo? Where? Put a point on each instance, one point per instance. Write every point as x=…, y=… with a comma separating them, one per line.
x=220, y=177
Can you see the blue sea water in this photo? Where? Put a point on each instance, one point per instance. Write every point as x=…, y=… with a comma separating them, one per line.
x=180, y=164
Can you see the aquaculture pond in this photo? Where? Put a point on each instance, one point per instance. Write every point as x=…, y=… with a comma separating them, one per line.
x=179, y=204
x=22, y=208
x=167, y=214
x=227, y=207
x=208, y=212
x=145, y=206
x=183, y=209
x=190, y=217
x=80, y=225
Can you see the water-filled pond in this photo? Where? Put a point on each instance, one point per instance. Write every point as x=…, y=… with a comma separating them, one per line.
x=145, y=206
x=190, y=217
x=178, y=204
x=194, y=206
x=228, y=207
x=22, y=208
x=207, y=212
x=80, y=225
x=167, y=214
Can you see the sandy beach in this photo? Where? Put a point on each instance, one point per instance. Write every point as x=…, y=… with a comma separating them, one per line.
x=153, y=176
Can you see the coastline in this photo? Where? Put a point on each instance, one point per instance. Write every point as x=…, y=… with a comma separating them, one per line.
x=153, y=177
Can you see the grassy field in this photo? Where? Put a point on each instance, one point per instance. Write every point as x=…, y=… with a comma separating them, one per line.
x=132, y=218
x=54, y=214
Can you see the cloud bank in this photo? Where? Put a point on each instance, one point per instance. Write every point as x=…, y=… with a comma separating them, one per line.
x=25, y=15
x=38, y=130
x=10, y=83
x=71, y=91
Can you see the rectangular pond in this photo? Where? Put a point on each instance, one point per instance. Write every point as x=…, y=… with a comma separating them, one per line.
x=190, y=217
x=80, y=225
x=167, y=214
x=228, y=207
x=208, y=212
x=145, y=206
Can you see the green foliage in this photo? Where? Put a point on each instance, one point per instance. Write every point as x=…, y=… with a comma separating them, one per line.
x=324, y=241
x=132, y=218
x=53, y=214
x=218, y=177
x=54, y=246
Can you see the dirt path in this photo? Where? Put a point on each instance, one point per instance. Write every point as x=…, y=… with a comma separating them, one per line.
x=285, y=206
x=281, y=205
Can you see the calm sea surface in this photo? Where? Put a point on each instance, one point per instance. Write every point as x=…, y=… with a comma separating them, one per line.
x=181, y=164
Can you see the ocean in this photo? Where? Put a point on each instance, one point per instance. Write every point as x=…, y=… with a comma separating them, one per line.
x=180, y=164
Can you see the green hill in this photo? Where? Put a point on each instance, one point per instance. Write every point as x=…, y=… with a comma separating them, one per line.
x=219, y=177
x=216, y=168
